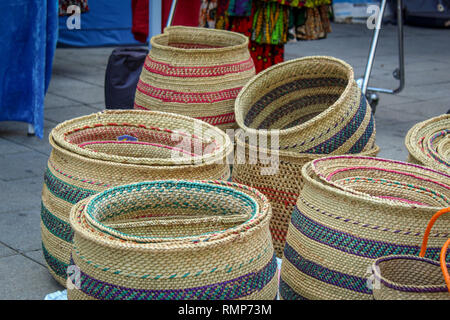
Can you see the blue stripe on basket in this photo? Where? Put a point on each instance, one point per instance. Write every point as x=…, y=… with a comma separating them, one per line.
x=56, y=226
x=287, y=293
x=351, y=244
x=344, y=134
x=325, y=275
x=365, y=137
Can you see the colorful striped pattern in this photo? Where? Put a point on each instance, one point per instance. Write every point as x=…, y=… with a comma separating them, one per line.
x=227, y=290
x=56, y=226
x=287, y=293
x=57, y=266
x=168, y=70
x=167, y=95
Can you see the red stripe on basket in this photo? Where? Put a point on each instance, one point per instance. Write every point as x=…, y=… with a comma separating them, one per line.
x=168, y=70
x=167, y=95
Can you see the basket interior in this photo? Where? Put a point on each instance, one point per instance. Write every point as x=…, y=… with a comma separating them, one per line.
x=287, y=97
x=137, y=142
x=411, y=272
x=171, y=209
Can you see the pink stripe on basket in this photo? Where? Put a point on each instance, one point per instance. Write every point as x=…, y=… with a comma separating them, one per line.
x=137, y=142
x=166, y=69
x=382, y=160
x=167, y=95
x=328, y=178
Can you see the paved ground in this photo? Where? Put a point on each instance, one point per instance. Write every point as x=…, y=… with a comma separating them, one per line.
x=77, y=89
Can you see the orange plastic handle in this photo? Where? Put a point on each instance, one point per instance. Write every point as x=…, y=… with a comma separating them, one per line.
x=442, y=256
x=444, y=264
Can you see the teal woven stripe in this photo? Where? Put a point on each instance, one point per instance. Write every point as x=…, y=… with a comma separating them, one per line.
x=351, y=244
x=65, y=191
x=58, y=267
x=56, y=226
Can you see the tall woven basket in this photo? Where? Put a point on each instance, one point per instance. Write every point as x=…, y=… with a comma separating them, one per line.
x=312, y=107
x=173, y=240
x=407, y=277
x=428, y=143
x=110, y=148
x=196, y=72
x=353, y=210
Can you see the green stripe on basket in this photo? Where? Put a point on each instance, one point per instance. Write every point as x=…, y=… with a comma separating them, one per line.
x=56, y=226
x=57, y=266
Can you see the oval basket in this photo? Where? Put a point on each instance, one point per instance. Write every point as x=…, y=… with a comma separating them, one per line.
x=196, y=72
x=428, y=143
x=313, y=107
x=353, y=210
x=173, y=240
x=96, y=152
x=407, y=277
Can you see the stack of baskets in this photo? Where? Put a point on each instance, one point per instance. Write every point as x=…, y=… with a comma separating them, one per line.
x=428, y=143
x=173, y=240
x=96, y=152
x=300, y=110
x=196, y=72
x=353, y=210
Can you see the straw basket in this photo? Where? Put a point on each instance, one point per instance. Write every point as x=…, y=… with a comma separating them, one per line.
x=428, y=143
x=351, y=211
x=196, y=72
x=407, y=277
x=301, y=110
x=173, y=240
x=98, y=151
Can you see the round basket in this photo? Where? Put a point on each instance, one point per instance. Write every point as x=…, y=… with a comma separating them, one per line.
x=428, y=143
x=353, y=210
x=407, y=277
x=95, y=152
x=196, y=72
x=173, y=240
x=311, y=107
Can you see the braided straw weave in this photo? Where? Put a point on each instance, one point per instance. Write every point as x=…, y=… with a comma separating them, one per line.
x=95, y=152
x=407, y=277
x=174, y=240
x=315, y=107
x=428, y=143
x=352, y=210
x=196, y=72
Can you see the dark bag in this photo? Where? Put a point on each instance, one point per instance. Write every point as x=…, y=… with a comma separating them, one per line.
x=427, y=13
x=122, y=75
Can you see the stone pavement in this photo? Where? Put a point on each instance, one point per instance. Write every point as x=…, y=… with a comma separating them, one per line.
x=77, y=89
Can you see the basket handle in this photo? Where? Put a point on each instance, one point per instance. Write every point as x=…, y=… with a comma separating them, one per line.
x=444, y=264
x=428, y=230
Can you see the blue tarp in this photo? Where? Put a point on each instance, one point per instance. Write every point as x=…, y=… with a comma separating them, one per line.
x=28, y=30
x=107, y=23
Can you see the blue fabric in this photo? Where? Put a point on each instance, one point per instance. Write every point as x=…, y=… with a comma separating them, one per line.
x=28, y=30
x=107, y=23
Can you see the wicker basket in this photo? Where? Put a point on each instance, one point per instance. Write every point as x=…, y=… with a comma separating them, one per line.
x=428, y=143
x=315, y=108
x=353, y=210
x=407, y=277
x=174, y=240
x=196, y=72
x=95, y=152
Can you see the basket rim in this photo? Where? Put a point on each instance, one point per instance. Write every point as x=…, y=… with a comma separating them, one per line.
x=56, y=141
x=362, y=196
x=404, y=287
x=239, y=116
x=169, y=244
x=167, y=30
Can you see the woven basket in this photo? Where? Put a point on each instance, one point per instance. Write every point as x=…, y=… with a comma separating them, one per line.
x=428, y=143
x=407, y=277
x=196, y=72
x=353, y=210
x=174, y=240
x=88, y=158
x=315, y=107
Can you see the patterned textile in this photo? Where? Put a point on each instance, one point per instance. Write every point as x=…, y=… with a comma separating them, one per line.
x=64, y=4
x=207, y=17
